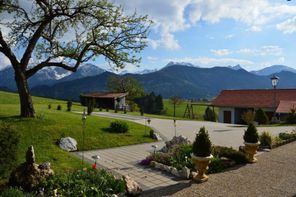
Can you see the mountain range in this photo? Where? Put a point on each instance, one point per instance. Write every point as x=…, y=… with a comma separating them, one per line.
x=175, y=79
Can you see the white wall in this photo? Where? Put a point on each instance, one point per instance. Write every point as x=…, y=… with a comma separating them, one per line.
x=221, y=114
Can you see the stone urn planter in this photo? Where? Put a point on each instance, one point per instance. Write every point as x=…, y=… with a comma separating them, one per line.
x=201, y=165
x=251, y=150
x=201, y=155
x=251, y=138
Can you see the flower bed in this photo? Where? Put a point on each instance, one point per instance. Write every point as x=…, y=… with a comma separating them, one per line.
x=176, y=159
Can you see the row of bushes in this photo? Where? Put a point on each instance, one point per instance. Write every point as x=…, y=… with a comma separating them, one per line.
x=59, y=107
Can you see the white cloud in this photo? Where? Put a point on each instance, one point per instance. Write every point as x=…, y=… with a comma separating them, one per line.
x=253, y=13
x=288, y=26
x=268, y=50
x=4, y=61
x=168, y=17
x=229, y=36
x=211, y=62
x=221, y=52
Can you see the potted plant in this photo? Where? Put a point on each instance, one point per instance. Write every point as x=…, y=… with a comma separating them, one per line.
x=201, y=154
x=251, y=139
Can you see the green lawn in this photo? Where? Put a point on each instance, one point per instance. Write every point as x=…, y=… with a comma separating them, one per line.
x=43, y=133
x=180, y=110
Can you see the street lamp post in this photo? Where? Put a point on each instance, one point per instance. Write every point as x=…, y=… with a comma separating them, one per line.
x=175, y=126
x=83, y=133
x=274, y=82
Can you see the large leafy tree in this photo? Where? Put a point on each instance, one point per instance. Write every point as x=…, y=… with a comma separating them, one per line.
x=126, y=84
x=44, y=33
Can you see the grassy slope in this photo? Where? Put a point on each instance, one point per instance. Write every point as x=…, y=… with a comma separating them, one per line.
x=43, y=133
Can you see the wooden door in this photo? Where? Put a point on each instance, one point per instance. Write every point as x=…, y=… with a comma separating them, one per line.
x=227, y=116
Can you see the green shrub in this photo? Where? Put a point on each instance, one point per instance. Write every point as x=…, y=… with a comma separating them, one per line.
x=90, y=103
x=230, y=153
x=251, y=135
x=248, y=117
x=49, y=106
x=202, y=144
x=287, y=136
x=69, y=105
x=216, y=165
x=14, y=192
x=210, y=115
x=59, y=107
x=118, y=126
x=291, y=119
x=261, y=117
x=164, y=158
x=181, y=155
x=266, y=139
x=89, y=183
x=151, y=133
x=9, y=142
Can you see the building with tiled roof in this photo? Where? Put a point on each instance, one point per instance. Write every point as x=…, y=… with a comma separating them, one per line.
x=233, y=103
x=105, y=100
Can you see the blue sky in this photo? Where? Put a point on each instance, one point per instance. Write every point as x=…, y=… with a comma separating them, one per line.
x=207, y=33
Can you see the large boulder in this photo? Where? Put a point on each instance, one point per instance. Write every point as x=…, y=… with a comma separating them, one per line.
x=68, y=144
x=132, y=187
x=29, y=174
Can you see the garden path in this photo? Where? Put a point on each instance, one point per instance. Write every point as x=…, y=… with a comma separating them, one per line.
x=124, y=161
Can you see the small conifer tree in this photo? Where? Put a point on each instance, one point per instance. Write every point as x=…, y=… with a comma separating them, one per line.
x=251, y=135
x=202, y=145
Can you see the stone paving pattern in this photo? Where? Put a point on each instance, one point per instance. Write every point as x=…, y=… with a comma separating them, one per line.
x=273, y=175
x=124, y=161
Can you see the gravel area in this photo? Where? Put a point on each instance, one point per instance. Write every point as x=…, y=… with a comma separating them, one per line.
x=273, y=175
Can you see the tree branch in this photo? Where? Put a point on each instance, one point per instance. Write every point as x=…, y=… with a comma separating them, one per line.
x=5, y=49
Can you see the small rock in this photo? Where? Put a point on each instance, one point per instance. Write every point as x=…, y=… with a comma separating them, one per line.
x=193, y=174
x=68, y=144
x=153, y=163
x=162, y=166
x=175, y=172
x=167, y=168
x=185, y=172
x=45, y=165
x=132, y=187
x=156, y=136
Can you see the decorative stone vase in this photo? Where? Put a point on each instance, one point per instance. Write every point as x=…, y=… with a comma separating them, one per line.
x=201, y=165
x=251, y=150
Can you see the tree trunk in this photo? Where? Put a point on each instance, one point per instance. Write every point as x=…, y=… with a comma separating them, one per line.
x=26, y=104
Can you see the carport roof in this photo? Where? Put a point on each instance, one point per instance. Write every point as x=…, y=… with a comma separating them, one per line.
x=105, y=94
x=254, y=98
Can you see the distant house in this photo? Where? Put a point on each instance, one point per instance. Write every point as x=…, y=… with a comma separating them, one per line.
x=106, y=100
x=233, y=103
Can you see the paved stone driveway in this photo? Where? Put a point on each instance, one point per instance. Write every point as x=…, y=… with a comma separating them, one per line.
x=220, y=134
